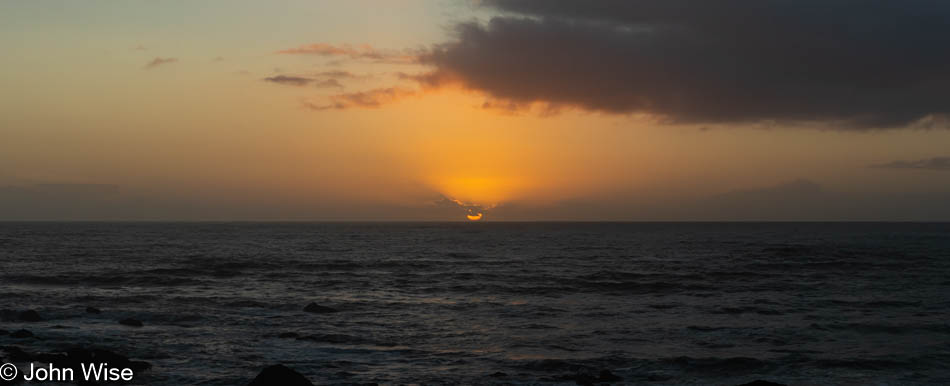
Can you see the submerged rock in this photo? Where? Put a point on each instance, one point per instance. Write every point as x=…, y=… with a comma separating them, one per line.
x=318, y=309
x=607, y=376
x=131, y=322
x=7, y=315
x=335, y=339
x=93, y=310
x=279, y=375
x=76, y=356
x=585, y=376
x=22, y=334
x=30, y=316
x=16, y=354
x=759, y=382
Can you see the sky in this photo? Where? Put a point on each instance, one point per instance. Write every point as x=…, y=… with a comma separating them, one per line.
x=503, y=110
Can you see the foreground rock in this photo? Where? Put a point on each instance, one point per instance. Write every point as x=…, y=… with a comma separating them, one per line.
x=279, y=375
x=131, y=322
x=318, y=309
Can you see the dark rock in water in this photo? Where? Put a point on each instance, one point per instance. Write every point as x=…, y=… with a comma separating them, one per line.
x=723, y=366
x=759, y=382
x=607, y=376
x=16, y=354
x=76, y=356
x=318, y=309
x=22, y=334
x=131, y=322
x=279, y=375
x=333, y=338
x=585, y=377
x=93, y=310
x=8, y=315
x=659, y=377
x=557, y=365
x=30, y=316
x=498, y=374
x=286, y=335
x=4, y=332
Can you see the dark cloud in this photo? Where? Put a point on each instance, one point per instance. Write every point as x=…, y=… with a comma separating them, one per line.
x=846, y=63
x=289, y=80
x=159, y=61
x=936, y=163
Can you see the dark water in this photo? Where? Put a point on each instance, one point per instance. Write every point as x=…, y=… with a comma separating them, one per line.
x=667, y=303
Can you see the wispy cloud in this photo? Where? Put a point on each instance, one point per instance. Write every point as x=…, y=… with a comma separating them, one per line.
x=289, y=80
x=299, y=81
x=370, y=99
x=158, y=61
x=341, y=74
x=361, y=52
x=329, y=83
x=936, y=163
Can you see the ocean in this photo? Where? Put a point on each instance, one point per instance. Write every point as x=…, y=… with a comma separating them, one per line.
x=488, y=303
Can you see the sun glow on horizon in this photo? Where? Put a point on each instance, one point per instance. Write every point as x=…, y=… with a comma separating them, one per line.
x=485, y=192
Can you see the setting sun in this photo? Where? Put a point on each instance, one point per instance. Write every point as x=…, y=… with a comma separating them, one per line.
x=481, y=191
x=474, y=217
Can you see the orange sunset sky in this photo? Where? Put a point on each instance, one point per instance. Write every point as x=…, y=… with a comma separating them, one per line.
x=435, y=110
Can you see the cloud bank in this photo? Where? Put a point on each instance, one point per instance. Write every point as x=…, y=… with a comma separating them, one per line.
x=840, y=63
x=936, y=163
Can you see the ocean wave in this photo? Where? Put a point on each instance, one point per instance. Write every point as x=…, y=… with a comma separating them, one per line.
x=102, y=280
